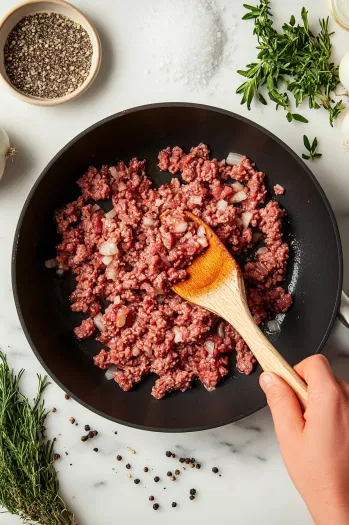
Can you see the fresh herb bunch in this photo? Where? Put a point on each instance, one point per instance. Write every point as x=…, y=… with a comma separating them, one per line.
x=296, y=59
x=311, y=148
x=28, y=480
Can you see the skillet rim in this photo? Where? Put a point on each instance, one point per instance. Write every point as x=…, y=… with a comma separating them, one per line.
x=101, y=123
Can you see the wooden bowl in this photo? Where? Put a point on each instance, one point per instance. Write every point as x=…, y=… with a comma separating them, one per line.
x=53, y=6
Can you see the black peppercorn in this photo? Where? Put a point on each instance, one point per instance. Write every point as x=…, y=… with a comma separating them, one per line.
x=115, y=432
x=198, y=465
x=215, y=470
x=169, y=473
x=87, y=428
x=177, y=472
x=156, y=479
x=67, y=396
x=168, y=454
x=156, y=506
x=128, y=466
x=95, y=450
x=84, y=438
x=56, y=456
x=173, y=455
x=192, y=492
x=91, y=434
x=172, y=478
x=137, y=481
x=181, y=460
x=119, y=458
x=193, y=460
x=151, y=498
x=174, y=504
x=191, y=498
x=145, y=469
x=187, y=461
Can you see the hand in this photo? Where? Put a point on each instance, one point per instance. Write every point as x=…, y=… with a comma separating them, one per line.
x=314, y=445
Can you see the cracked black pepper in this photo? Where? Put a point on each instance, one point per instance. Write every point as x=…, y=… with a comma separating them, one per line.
x=47, y=55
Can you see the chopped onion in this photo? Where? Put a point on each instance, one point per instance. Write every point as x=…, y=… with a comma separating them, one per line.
x=178, y=338
x=273, y=326
x=98, y=322
x=135, y=352
x=107, y=259
x=262, y=250
x=110, y=273
x=209, y=347
x=113, y=172
x=117, y=299
x=246, y=218
x=234, y=159
x=237, y=186
x=158, y=202
x=51, y=263
x=147, y=350
x=110, y=372
x=120, y=319
x=203, y=241
x=201, y=232
x=180, y=227
x=122, y=186
x=222, y=205
x=256, y=237
x=188, y=235
x=108, y=248
x=221, y=330
x=147, y=221
x=238, y=197
x=111, y=214
x=196, y=199
x=96, y=207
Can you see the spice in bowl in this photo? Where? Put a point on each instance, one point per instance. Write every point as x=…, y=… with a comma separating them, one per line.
x=47, y=55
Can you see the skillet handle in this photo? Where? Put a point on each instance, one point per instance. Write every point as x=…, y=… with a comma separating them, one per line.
x=343, y=313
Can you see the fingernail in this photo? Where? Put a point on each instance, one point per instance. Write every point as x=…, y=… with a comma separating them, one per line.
x=266, y=380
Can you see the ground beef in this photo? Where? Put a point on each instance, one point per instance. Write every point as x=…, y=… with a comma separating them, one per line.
x=279, y=190
x=129, y=258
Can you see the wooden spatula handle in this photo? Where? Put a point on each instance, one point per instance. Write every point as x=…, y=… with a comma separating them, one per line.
x=234, y=309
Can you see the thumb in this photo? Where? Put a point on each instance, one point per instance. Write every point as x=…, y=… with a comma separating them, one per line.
x=283, y=403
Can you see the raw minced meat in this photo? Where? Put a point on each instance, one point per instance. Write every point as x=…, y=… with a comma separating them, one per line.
x=131, y=256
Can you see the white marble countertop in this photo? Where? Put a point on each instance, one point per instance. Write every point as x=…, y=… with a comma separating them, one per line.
x=254, y=488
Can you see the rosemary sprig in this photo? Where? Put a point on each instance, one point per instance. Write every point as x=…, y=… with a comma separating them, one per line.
x=296, y=59
x=28, y=480
x=311, y=148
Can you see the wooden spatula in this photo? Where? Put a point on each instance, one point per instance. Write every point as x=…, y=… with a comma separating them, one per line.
x=215, y=282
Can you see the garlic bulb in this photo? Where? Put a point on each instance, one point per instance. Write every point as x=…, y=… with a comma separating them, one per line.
x=5, y=150
x=344, y=71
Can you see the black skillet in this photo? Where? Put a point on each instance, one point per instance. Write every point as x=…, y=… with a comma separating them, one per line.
x=315, y=270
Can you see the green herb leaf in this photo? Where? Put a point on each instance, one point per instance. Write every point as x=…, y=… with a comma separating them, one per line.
x=313, y=154
x=300, y=118
x=262, y=99
x=306, y=157
x=292, y=21
x=306, y=142
x=289, y=116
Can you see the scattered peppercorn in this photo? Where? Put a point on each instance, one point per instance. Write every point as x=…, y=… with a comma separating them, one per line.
x=151, y=498
x=198, y=465
x=119, y=458
x=95, y=432
x=91, y=434
x=129, y=476
x=128, y=466
x=193, y=492
x=66, y=453
x=87, y=428
x=169, y=473
x=192, y=465
x=168, y=454
x=84, y=438
x=137, y=481
x=191, y=498
x=177, y=472
x=156, y=479
x=174, y=504
x=193, y=460
x=56, y=456
x=72, y=420
x=115, y=432
x=67, y=396
x=133, y=452
x=172, y=478
x=156, y=506
x=173, y=455
x=181, y=460
x=187, y=461
x=145, y=469
x=215, y=470
x=54, y=409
